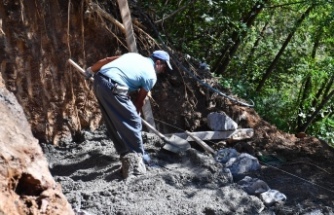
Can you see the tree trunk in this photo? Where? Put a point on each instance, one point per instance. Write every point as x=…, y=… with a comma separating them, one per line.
x=256, y=43
x=305, y=92
x=281, y=51
x=311, y=119
x=228, y=52
x=306, y=88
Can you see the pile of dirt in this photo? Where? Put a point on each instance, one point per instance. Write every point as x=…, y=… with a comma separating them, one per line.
x=187, y=183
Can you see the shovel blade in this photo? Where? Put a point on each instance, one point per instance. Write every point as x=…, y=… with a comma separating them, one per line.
x=176, y=144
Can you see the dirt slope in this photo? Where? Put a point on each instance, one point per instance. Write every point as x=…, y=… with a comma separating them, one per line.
x=185, y=183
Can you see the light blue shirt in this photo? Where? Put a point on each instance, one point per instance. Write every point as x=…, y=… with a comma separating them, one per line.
x=132, y=70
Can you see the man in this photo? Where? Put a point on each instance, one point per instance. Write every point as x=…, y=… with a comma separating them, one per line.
x=114, y=78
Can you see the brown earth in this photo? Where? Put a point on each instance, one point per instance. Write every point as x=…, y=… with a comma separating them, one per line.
x=26, y=185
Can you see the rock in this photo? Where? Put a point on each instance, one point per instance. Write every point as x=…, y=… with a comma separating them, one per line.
x=223, y=155
x=253, y=186
x=27, y=186
x=220, y=122
x=271, y=197
x=243, y=163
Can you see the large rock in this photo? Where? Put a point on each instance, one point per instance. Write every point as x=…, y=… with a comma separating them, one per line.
x=26, y=184
x=242, y=164
x=219, y=121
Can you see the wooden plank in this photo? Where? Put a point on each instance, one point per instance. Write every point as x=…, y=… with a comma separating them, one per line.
x=201, y=143
x=148, y=114
x=239, y=134
x=132, y=46
x=127, y=22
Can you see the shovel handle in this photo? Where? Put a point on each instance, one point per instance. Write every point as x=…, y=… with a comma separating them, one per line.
x=201, y=143
x=78, y=68
x=153, y=129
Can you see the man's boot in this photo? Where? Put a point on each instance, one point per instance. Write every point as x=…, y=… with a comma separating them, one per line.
x=132, y=165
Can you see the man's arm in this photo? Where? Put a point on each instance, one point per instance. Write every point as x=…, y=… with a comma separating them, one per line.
x=97, y=66
x=140, y=99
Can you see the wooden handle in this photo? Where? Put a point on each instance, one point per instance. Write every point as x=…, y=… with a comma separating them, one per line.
x=154, y=130
x=201, y=143
x=78, y=68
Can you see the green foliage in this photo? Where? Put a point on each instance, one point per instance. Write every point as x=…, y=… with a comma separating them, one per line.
x=324, y=129
x=202, y=28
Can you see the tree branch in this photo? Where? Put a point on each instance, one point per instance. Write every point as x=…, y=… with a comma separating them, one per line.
x=172, y=14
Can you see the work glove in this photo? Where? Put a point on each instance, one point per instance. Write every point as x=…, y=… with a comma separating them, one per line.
x=89, y=73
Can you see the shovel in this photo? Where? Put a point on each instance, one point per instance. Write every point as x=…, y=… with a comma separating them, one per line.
x=174, y=143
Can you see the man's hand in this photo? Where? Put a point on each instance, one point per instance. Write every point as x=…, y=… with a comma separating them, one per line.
x=89, y=73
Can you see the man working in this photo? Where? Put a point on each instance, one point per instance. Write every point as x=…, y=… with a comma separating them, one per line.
x=114, y=77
